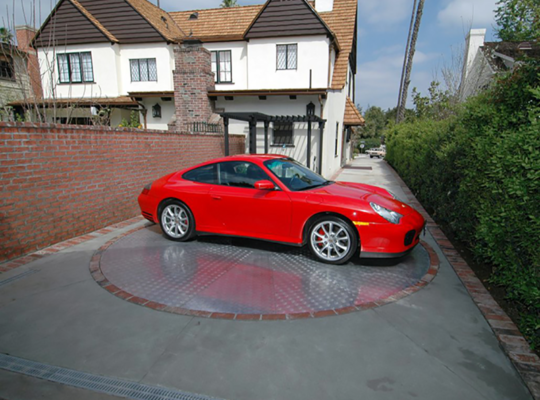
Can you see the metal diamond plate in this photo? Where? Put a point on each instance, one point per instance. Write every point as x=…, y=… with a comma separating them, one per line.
x=242, y=276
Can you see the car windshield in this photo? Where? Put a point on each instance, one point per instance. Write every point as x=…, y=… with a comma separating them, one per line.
x=294, y=175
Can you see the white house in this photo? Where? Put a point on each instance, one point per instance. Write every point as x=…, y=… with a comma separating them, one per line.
x=273, y=64
x=483, y=60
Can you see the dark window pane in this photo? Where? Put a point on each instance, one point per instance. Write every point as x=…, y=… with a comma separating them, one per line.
x=75, y=67
x=291, y=56
x=240, y=174
x=63, y=68
x=134, y=65
x=283, y=134
x=152, y=70
x=281, y=56
x=88, y=72
x=143, y=68
x=206, y=174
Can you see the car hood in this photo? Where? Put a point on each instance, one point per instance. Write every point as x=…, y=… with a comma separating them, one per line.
x=367, y=193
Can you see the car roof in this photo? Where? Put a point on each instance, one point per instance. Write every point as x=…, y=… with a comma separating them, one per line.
x=260, y=157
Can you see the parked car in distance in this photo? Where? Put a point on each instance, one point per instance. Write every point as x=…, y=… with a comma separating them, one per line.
x=274, y=198
x=377, y=152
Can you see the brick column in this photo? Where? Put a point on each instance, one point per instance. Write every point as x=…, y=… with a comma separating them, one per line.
x=193, y=78
x=25, y=34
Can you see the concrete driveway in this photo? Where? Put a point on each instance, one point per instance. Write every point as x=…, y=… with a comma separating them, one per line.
x=433, y=344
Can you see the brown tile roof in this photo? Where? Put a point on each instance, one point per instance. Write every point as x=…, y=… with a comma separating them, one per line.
x=153, y=14
x=92, y=19
x=217, y=24
x=224, y=24
x=342, y=20
x=352, y=115
x=102, y=101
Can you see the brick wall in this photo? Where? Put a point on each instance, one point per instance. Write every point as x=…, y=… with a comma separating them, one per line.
x=59, y=181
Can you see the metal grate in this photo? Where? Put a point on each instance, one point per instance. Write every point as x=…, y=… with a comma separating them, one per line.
x=16, y=278
x=362, y=168
x=102, y=384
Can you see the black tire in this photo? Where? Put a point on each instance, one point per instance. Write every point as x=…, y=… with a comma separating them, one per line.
x=335, y=236
x=176, y=221
x=370, y=156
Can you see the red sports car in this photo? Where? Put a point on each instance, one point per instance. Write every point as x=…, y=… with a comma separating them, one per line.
x=275, y=198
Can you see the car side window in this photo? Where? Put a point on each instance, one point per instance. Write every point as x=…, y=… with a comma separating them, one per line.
x=205, y=174
x=240, y=174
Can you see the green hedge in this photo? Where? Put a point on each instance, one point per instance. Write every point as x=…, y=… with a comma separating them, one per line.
x=479, y=174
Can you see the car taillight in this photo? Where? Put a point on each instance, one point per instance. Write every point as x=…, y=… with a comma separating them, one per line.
x=147, y=188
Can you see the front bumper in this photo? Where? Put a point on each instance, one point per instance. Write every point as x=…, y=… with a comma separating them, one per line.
x=387, y=240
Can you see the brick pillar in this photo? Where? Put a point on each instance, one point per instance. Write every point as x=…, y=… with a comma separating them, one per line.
x=193, y=78
x=25, y=34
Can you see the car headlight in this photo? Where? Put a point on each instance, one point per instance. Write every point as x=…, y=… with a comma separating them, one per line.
x=389, y=215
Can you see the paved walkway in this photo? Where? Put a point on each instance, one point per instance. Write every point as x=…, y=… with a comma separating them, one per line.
x=433, y=344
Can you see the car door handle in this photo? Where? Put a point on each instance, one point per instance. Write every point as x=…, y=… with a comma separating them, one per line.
x=215, y=197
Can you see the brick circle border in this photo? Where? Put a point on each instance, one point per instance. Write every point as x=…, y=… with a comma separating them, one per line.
x=99, y=277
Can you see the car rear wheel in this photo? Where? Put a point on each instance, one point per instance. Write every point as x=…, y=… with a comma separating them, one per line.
x=332, y=240
x=177, y=222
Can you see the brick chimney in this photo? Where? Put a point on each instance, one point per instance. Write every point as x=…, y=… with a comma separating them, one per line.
x=25, y=34
x=193, y=78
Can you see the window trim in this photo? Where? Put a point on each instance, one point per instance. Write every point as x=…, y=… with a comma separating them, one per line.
x=139, y=68
x=81, y=68
x=217, y=78
x=286, y=57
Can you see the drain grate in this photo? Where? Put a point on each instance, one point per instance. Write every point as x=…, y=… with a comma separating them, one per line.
x=83, y=380
x=16, y=278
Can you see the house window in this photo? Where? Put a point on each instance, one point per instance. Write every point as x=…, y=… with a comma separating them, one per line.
x=286, y=56
x=143, y=70
x=7, y=70
x=336, y=146
x=222, y=66
x=75, y=67
x=283, y=134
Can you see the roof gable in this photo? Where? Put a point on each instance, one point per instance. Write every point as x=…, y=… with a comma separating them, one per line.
x=70, y=23
x=124, y=20
x=286, y=18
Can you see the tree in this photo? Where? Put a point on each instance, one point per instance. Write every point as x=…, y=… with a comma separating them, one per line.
x=6, y=36
x=406, y=75
x=439, y=105
x=518, y=20
x=229, y=3
x=375, y=122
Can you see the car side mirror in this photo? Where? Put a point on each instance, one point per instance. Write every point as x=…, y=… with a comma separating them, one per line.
x=264, y=185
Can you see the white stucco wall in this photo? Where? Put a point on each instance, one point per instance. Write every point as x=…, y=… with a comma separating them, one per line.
x=112, y=75
x=164, y=62
x=167, y=112
x=239, y=57
x=106, y=83
x=312, y=55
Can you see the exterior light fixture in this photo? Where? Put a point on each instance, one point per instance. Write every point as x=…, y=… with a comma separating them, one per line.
x=310, y=109
x=156, y=111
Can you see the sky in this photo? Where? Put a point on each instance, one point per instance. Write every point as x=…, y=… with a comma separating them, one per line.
x=383, y=26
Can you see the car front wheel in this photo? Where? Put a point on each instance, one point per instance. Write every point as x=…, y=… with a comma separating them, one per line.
x=177, y=222
x=332, y=240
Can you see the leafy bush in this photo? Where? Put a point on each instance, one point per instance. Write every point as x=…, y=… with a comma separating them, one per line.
x=478, y=172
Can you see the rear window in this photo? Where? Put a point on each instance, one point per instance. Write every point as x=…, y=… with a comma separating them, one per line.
x=205, y=174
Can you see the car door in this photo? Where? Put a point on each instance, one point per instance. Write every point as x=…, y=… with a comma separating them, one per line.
x=246, y=211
